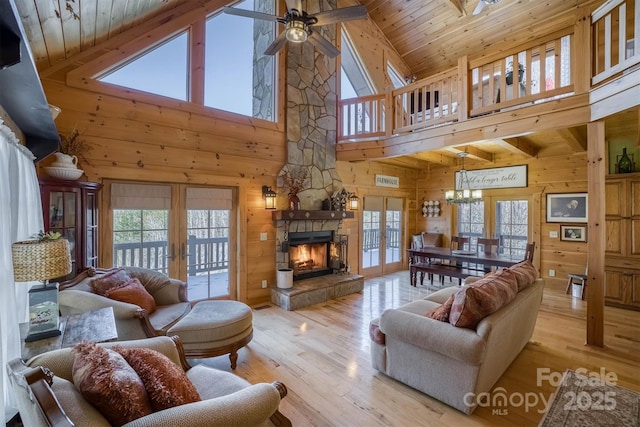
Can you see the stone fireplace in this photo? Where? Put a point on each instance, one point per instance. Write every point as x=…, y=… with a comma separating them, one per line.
x=316, y=253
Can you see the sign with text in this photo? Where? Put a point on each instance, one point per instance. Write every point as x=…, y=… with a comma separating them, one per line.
x=387, y=181
x=507, y=177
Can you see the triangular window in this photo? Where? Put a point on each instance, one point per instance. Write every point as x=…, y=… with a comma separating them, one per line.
x=354, y=80
x=161, y=71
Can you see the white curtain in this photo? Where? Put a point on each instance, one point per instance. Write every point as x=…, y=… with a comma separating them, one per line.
x=20, y=218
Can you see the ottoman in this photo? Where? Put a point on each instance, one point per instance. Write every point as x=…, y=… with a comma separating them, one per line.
x=214, y=328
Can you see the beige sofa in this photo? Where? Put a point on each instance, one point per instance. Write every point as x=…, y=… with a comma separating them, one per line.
x=449, y=363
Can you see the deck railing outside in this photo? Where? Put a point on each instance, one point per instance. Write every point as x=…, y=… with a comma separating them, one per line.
x=204, y=255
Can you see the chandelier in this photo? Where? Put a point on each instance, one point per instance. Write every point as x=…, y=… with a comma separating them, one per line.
x=463, y=192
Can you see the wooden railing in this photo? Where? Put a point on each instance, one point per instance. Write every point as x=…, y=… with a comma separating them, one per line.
x=540, y=71
x=616, y=38
x=371, y=238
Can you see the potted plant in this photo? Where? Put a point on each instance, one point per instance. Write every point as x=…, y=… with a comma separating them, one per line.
x=509, y=74
x=71, y=147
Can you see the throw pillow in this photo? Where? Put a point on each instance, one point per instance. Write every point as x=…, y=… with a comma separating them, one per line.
x=134, y=293
x=166, y=383
x=376, y=335
x=112, y=279
x=107, y=381
x=474, y=302
x=525, y=273
x=442, y=313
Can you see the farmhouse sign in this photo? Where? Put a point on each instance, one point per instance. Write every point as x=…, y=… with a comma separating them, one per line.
x=507, y=177
x=387, y=181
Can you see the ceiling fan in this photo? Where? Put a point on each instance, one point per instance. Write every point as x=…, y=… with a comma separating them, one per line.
x=482, y=4
x=300, y=26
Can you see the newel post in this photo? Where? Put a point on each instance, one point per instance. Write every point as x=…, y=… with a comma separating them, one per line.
x=581, y=51
x=390, y=111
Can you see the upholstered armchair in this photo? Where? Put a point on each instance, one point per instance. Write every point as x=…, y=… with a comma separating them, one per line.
x=132, y=321
x=46, y=394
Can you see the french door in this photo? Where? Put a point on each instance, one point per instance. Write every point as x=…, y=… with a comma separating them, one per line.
x=505, y=218
x=179, y=230
x=382, y=225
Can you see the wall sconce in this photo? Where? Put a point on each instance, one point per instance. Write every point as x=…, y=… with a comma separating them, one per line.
x=269, y=197
x=430, y=208
x=353, y=202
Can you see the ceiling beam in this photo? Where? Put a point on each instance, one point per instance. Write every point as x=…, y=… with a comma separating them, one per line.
x=438, y=158
x=458, y=6
x=475, y=152
x=406, y=162
x=518, y=145
x=574, y=139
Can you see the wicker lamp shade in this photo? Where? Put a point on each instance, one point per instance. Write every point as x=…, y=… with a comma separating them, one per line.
x=40, y=259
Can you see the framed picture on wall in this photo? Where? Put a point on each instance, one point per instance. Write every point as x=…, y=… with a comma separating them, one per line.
x=567, y=207
x=573, y=233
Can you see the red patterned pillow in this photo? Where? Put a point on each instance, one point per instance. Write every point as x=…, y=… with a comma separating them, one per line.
x=442, y=313
x=134, y=293
x=474, y=302
x=166, y=383
x=112, y=279
x=107, y=381
x=525, y=273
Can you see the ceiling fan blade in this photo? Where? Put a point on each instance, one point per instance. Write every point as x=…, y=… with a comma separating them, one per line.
x=294, y=4
x=340, y=15
x=479, y=7
x=323, y=45
x=250, y=14
x=277, y=44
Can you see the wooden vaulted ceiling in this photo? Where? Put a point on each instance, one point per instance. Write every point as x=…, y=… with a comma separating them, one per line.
x=430, y=35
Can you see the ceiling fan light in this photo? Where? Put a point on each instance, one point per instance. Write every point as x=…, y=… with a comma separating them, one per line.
x=296, y=31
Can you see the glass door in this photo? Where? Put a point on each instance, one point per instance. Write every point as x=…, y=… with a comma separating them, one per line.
x=178, y=230
x=205, y=253
x=382, y=226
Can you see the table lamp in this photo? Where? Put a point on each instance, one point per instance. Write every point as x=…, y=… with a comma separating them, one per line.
x=42, y=260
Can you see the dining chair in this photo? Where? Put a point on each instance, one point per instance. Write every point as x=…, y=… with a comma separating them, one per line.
x=488, y=247
x=528, y=252
x=457, y=243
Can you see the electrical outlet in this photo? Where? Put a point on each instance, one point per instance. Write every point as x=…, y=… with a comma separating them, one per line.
x=264, y=284
x=263, y=236
x=553, y=234
x=552, y=273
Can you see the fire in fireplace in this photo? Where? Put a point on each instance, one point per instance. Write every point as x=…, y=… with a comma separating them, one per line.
x=314, y=253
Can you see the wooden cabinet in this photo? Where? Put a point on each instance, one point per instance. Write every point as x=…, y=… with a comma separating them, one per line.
x=71, y=208
x=622, y=252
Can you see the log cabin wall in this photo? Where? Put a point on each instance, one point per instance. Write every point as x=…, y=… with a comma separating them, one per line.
x=547, y=173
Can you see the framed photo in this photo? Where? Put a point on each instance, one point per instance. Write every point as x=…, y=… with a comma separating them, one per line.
x=573, y=233
x=567, y=207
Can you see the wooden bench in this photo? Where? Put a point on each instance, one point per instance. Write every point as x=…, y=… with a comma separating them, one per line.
x=440, y=269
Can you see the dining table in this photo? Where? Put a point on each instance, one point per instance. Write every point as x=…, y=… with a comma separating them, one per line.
x=423, y=260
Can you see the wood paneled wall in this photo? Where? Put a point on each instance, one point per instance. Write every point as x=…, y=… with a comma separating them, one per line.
x=546, y=174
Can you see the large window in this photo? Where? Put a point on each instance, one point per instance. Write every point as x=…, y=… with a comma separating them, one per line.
x=162, y=71
x=238, y=77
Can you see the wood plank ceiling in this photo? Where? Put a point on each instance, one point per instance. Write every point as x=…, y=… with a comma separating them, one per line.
x=430, y=35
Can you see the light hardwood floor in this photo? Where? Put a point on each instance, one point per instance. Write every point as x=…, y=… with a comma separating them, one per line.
x=321, y=353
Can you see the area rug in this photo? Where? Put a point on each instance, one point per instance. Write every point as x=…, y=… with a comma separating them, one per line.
x=589, y=402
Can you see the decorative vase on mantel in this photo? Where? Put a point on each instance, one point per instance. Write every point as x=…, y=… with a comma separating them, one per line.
x=294, y=202
x=625, y=164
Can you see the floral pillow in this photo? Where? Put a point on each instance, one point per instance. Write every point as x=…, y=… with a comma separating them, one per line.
x=165, y=382
x=112, y=279
x=106, y=380
x=525, y=273
x=442, y=313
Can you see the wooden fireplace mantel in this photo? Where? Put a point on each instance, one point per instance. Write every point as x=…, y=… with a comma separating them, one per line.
x=301, y=215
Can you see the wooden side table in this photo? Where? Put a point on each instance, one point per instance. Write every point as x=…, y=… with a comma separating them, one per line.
x=95, y=326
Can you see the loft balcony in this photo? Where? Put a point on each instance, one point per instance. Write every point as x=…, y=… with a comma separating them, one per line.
x=551, y=69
